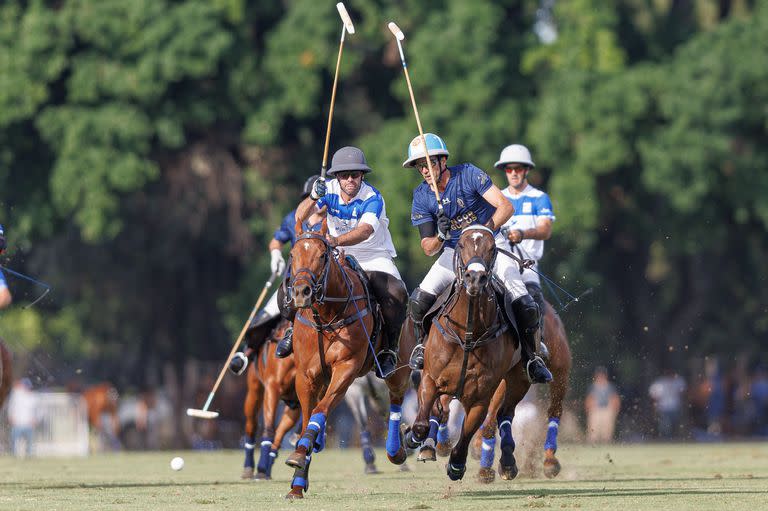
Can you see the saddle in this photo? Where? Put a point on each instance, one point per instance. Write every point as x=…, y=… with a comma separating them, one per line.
x=450, y=294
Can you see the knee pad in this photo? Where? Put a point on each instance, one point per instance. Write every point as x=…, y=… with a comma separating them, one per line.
x=526, y=313
x=535, y=291
x=419, y=304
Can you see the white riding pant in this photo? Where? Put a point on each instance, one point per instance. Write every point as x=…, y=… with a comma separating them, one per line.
x=271, y=307
x=441, y=275
x=379, y=263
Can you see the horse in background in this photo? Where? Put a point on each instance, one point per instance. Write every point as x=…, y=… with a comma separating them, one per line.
x=269, y=379
x=101, y=402
x=333, y=344
x=6, y=373
x=559, y=362
x=469, y=351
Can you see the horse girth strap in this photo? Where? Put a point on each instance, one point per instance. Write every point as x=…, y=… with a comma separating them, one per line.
x=318, y=325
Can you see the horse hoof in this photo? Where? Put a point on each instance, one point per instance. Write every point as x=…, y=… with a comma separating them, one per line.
x=297, y=492
x=551, y=467
x=444, y=449
x=486, y=475
x=247, y=473
x=296, y=460
x=409, y=441
x=455, y=473
x=508, y=473
x=370, y=468
x=261, y=476
x=426, y=454
x=399, y=457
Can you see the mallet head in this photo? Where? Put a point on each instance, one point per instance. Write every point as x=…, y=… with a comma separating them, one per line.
x=345, y=17
x=396, y=31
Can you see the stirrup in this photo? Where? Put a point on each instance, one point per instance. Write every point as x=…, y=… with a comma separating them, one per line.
x=239, y=363
x=416, y=361
x=386, y=369
x=543, y=378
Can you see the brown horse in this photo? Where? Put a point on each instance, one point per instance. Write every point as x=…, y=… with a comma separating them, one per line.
x=559, y=359
x=269, y=380
x=333, y=344
x=6, y=373
x=470, y=351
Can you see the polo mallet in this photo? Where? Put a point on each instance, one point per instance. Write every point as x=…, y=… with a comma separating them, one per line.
x=399, y=36
x=347, y=26
x=205, y=413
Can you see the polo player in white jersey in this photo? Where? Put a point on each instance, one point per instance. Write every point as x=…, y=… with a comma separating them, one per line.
x=357, y=221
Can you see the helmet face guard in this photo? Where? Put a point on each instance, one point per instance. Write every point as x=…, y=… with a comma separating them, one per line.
x=435, y=147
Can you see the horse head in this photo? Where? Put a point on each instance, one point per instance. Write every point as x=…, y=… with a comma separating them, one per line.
x=475, y=257
x=310, y=260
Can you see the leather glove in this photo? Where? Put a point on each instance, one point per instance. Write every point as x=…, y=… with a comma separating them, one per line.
x=277, y=264
x=443, y=226
x=318, y=189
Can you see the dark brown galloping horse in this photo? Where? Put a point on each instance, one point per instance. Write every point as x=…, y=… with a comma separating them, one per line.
x=269, y=380
x=470, y=350
x=559, y=361
x=332, y=346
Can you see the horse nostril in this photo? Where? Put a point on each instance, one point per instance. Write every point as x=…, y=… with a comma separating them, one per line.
x=483, y=280
x=306, y=291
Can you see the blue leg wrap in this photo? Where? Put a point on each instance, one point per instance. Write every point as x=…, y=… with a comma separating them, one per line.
x=264, y=459
x=365, y=442
x=551, y=441
x=249, y=447
x=486, y=457
x=314, y=437
x=393, y=430
x=442, y=434
x=434, y=425
x=301, y=477
x=505, y=431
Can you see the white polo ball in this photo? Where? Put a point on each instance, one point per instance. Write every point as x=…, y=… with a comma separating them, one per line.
x=177, y=463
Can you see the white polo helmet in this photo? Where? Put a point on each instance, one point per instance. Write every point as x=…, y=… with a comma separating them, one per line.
x=514, y=153
x=435, y=147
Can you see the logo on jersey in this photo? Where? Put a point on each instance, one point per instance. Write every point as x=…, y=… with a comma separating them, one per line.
x=463, y=221
x=527, y=207
x=460, y=202
x=482, y=177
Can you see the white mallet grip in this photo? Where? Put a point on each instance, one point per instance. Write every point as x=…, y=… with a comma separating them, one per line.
x=345, y=17
x=396, y=31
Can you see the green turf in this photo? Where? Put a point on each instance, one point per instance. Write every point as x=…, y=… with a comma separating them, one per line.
x=623, y=478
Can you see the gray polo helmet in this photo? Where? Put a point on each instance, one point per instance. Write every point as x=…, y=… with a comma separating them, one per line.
x=347, y=159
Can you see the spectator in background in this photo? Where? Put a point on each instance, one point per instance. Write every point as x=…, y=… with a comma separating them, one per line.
x=667, y=392
x=22, y=415
x=602, y=406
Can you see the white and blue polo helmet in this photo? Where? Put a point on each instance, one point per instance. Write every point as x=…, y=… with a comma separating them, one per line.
x=435, y=147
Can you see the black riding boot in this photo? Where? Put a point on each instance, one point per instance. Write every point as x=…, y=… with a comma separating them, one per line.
x=418, y=306
x=285, y=346
x=527, y=315
x=535, y=291
x=392, y=296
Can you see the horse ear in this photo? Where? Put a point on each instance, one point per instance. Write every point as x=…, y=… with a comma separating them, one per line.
x=324, y=226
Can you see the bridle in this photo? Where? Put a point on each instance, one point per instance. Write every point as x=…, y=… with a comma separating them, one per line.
x=460, y=266
x=318, y=284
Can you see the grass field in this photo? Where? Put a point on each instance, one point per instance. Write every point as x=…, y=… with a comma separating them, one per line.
x=637, y=477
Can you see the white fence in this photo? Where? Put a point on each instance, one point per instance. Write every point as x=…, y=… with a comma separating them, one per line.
x=62, y=429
